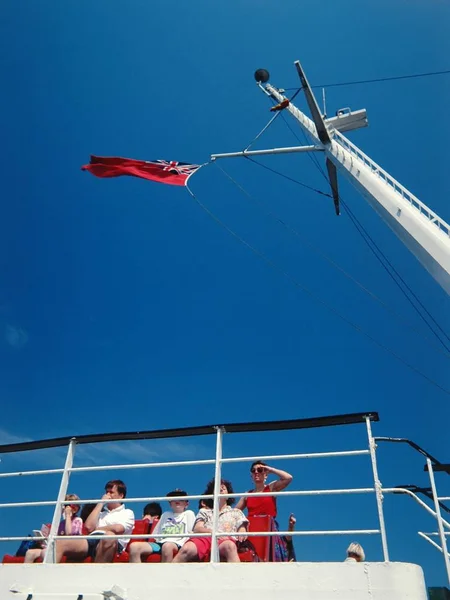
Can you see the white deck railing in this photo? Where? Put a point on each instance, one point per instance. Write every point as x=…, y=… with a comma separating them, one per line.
x=218, y=461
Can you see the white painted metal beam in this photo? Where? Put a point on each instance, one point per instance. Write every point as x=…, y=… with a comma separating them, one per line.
x=287, y=150
x=423, y=232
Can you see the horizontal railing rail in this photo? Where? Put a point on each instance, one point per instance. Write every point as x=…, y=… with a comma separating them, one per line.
x=430, y=541
x=322, y=492
x=417, y=499
x=186, y=463
x=219, y=534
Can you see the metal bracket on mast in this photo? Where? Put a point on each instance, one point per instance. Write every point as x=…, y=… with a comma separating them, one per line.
x=262, y=77
x=322, y=133
x=332, y=175
x=322, y=130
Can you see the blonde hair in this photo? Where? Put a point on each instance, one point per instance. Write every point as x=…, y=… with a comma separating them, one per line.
x=73, y=497
x=356, y=551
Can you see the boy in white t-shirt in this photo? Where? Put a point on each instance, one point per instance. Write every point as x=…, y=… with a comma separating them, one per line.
x=177, y=520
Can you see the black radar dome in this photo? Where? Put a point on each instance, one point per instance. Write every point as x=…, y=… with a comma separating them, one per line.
x=262, y=76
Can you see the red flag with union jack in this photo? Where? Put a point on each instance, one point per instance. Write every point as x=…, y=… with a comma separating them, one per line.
x=173, y=173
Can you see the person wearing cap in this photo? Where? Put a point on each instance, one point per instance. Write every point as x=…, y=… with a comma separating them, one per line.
x=175, y=522
x=355, y=553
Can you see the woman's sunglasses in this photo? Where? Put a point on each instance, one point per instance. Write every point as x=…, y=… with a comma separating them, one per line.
x=257, y=470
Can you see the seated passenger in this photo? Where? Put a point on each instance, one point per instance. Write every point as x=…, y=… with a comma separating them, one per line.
x=108, y=517
x=152, y=512
x=70, y=525
x=177, y=520
x=355, y=553
x=266, y=505
x=231, y=521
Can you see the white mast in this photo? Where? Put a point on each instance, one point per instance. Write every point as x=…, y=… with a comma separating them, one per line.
x=425, y=234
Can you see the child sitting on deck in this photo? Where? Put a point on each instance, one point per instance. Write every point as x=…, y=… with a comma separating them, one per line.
x=70, y=525
x=177, y=520
x=152, y=512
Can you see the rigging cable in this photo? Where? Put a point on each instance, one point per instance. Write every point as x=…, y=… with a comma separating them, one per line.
x=270, y=122
x=370, y=242
x=311, y=294
x=320, y=252
x=308, y=187
x=368, y=238
x=379, y=79
x=379, y=254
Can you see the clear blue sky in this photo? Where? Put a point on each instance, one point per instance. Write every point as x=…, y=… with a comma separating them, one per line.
x=123, y=306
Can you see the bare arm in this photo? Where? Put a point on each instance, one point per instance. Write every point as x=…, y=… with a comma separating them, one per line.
x=92, y=520
x=284, y=479
x=199, y=527
x=68, y=520
x=242, y=503
x=242, y=529
x=291, y=526
x=115, y=529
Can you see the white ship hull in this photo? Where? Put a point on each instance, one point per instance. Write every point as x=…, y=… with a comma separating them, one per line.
x=308, y=581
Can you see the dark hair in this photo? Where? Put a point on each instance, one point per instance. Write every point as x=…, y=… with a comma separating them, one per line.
x=258, y=462
x=209, y=502
x=153, y=509
x=176, y=493
x=86, y=511
x=121, y=487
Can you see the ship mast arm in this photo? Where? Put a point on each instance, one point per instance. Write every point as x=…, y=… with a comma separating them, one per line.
x=424, y=233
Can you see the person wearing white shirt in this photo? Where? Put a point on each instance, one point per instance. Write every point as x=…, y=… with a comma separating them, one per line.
x=108, y=517
x=177, y=521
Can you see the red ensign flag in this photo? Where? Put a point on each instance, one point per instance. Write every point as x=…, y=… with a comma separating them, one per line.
x=173, y=173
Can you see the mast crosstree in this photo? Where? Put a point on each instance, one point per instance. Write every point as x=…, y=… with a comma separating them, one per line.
x=422, y=231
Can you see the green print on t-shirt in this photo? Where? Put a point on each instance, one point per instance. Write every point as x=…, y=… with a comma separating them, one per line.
x=173, y=528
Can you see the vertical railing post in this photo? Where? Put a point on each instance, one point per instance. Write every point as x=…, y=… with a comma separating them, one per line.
x=439, y=518
x=378, y=490
x=216, y=501
x=50, y=551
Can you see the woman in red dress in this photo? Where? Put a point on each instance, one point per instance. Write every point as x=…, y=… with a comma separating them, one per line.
x=267, y=505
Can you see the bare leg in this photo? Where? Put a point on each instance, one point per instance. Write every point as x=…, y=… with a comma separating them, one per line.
x=33, y=554
x=168, y=550
x=74, y=548
x=106, y=551
x=139, y=551
x=228, y=552
x=188, y=553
